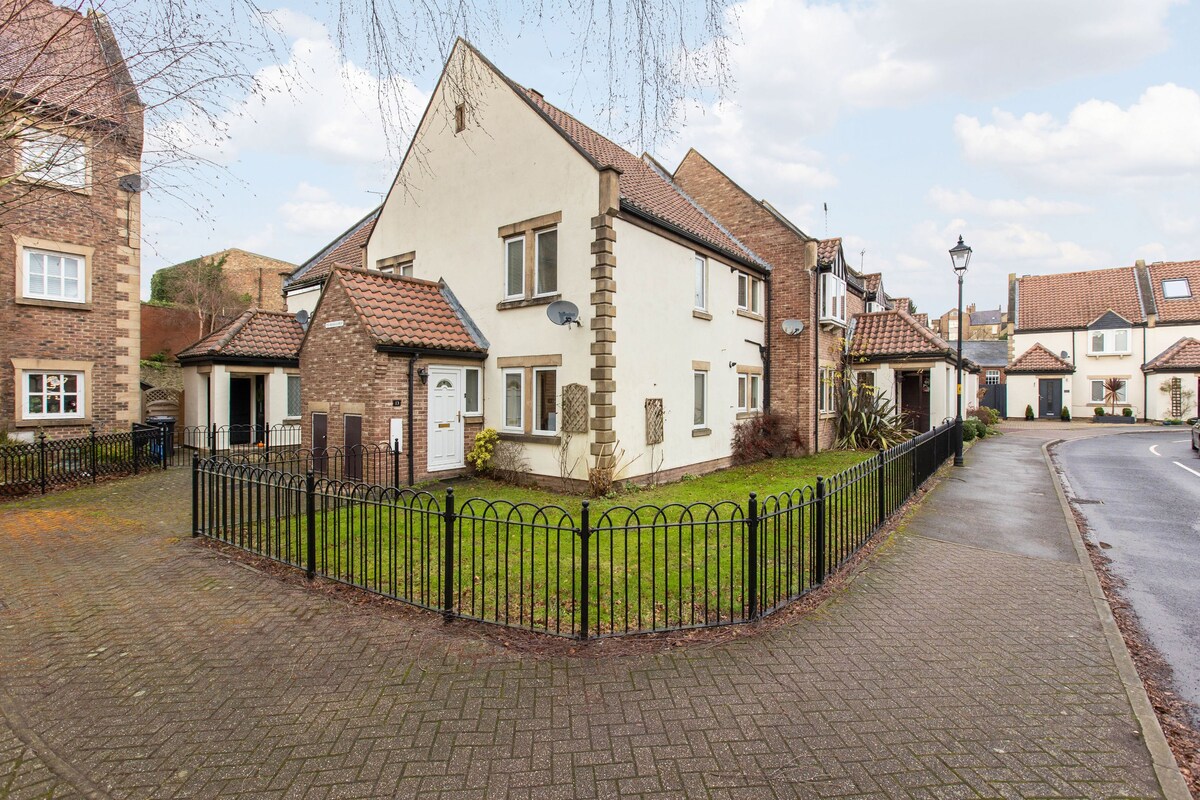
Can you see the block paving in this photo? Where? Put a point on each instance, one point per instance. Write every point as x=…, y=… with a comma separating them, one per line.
x=142, y=665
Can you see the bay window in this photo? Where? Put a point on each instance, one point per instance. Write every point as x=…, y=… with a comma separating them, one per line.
x=833, y=298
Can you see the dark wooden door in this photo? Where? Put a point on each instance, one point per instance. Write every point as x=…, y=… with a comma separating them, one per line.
x=1049, y=397
x=320, y=442
x=260, y=407
x=239, y=410
x=354, y=446
x=914, y=400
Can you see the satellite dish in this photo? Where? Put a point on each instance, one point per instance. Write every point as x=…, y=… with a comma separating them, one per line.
x=793, y=327
x=302, y=318
x=1064, y=355
x=563, y=312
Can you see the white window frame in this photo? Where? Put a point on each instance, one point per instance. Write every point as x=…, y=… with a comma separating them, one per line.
x=1186, y=287
x=988, y=375
x=703, y=423
x=1098, y=383
x=508, y=293
x=520, y=426
x=749, y=392
x=1108, y=342
x=749, y=293
x=833, y=298
x=537, y=262
x=299, y=398
x=478, y=412
x=27, y=254
x=536, y=405
x=700, y=283
x=51, y=172
x=825, y=376
x=80, y=394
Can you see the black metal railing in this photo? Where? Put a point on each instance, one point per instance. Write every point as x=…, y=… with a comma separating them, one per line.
x=243, y=439
x=46, y=463
x=374, y=464
x=626, y=570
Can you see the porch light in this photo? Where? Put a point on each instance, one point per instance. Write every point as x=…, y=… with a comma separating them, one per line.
x=960, y=257
x=423, y=374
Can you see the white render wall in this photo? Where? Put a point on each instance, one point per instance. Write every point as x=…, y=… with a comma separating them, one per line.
x=199, y=392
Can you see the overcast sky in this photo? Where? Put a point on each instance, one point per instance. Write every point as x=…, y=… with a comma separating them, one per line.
x=1053, y=135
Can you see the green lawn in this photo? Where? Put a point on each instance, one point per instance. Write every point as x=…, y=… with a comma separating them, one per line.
x=653, y=563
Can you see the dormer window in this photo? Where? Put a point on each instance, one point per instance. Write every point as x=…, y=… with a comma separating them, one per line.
x=833, y=293
x=1176, y=289
x=1109, y=342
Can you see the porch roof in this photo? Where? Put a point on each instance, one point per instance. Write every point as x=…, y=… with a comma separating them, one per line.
x=1182, y=356
x=254, y=334
x=1037, y=360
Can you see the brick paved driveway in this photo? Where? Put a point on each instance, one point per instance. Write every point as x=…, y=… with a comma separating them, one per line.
x=135, y=664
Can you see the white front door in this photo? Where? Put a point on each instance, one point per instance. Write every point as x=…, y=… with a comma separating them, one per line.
x=445, y=418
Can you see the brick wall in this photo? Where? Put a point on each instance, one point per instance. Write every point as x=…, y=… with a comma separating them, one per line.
x=107, y=334
x=167, y=329
x=342, y=373
x=258, y=277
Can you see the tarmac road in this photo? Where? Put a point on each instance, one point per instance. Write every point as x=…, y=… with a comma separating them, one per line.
x=1140, y=493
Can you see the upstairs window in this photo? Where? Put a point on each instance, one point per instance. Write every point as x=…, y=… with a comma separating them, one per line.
x=749, y=293
x=54, y=276
x=404, y=268
x=701, y=284
x=833, y=298
x=546, y=278
x=1176, y=288
x=514, y=267
x=1110, y=342
x=54, y=159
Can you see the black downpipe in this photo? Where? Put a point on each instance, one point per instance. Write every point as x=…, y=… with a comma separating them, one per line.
x=412, y=363
x=1145, y=383
x=816, y=337
x=765, y=351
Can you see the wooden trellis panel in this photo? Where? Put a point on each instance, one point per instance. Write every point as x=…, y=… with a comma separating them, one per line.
x=654, y=420
x=575, y=408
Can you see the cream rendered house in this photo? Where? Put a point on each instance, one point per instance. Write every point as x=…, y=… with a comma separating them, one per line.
x=515, y=205
x=1129, y=323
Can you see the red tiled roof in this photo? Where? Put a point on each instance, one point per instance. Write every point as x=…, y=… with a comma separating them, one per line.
x=408, y=312
x=255, y=333
x=344, y=251
x=643, y=185
x=871, y=281
x=827, y=250
x=55, y=55
x=1076, y=299
x=884, y=333
x=1038, y=359
x=1177, y=309
x=922, y=318
x=1184, y=354
x=902, y=303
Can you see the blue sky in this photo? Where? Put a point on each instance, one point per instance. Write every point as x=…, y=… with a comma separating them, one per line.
x=1053, y=136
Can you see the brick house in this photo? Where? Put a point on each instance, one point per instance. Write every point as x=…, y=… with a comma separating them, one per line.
x=393, y=360
x=253, y=280
x=980, y=325
x=1128, y=323
x=809, y=283
x=517, y=205
x=70, y=262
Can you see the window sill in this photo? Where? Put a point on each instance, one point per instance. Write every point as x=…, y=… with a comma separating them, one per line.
x=697, y=432
x=525, y=302
x=741, y=312
x=748, y=414
x=698, y=314
x=530, y=438
x=37, y=301
x=51, y=422
x=833, y=321
x=85, y=190
x=1108, y=355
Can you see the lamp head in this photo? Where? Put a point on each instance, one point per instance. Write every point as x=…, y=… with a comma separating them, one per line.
x=960, y=256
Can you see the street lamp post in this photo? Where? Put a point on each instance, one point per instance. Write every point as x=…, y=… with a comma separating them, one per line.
x=960, y=256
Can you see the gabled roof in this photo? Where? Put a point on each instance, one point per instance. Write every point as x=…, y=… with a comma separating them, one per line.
x=65, y=60
x=987, y=353
x=828, y=249
x=409, y=312
x=871, y=282
x=254, y=334
x=345, y=250
x=1075, y=299
x=1041, y=361
x=1176, y=309
x=645, y=186
x=1184, y=355
x=894, y=333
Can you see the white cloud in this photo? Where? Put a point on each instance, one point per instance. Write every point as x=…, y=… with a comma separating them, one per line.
x=962, y=202
x=316, y=105
x=313, y=210
x=1155, y=139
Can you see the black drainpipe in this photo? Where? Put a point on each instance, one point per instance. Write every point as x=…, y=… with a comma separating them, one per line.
x=816, y=336
x=765, y=351
x=1145, y=383
x=412, y=362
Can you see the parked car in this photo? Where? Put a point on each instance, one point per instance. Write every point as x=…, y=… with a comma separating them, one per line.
x=1196, y=437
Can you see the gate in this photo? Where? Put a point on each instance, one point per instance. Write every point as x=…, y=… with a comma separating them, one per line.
x=996, y=396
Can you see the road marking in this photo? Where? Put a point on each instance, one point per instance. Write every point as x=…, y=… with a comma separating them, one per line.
x=1178, y=441
x=1189, y=469
x=1154, y=449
